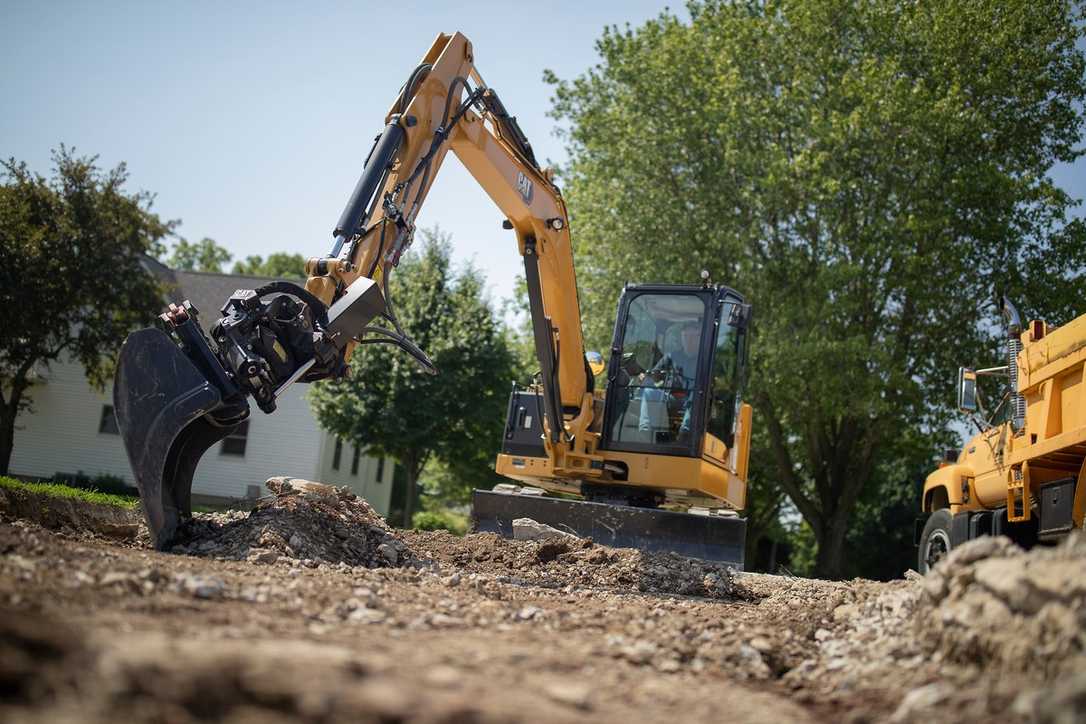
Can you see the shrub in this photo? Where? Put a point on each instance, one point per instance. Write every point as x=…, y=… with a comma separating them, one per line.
x=440, y=520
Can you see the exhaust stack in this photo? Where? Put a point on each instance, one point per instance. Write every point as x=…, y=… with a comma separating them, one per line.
x=1014, y=346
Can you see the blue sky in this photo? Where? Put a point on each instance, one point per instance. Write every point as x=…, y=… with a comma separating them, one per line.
x=250, y=120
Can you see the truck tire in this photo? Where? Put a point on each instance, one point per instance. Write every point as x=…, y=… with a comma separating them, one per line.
x=934, y=541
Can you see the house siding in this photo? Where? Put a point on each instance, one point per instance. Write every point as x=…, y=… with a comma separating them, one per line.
x=60, y=434
x=377, y=493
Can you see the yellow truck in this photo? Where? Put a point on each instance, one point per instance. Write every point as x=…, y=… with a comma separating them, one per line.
x=1023, y=474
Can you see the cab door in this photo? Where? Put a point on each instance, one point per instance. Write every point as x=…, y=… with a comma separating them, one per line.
x=728, y=370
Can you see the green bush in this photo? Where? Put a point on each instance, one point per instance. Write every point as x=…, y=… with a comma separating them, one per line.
x=440, y=520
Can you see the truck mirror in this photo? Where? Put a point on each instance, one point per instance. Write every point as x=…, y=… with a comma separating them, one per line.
x=967, y=390
x=595, y=362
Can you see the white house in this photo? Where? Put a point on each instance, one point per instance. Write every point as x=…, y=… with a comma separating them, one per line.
x=72, y=429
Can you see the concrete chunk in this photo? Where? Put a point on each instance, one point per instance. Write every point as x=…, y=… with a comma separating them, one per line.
x=528, y=529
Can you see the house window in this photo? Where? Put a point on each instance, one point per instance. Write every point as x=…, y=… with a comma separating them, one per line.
x=337, y=454
x=380, y=469
x=234, y=443
x=108, y=423
x=354, y=460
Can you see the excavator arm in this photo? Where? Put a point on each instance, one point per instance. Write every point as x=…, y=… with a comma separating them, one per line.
x=446, y=106
x=181, y=388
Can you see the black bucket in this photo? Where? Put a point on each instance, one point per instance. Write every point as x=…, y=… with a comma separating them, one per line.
x=163, y=405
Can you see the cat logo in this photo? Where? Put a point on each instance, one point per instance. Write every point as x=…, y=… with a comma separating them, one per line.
x=524, y=186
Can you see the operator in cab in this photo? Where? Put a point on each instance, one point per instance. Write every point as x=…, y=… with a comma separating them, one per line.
x=669, y=386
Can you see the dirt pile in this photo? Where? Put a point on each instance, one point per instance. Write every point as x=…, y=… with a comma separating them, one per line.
x=991, y=613
x=303, y=521
x=992, y=604
x=562, y=562
x=314, y=524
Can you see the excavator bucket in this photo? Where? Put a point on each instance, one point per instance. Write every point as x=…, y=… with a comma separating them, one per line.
x=176, y=393
x=708, y=537
x=163, y=404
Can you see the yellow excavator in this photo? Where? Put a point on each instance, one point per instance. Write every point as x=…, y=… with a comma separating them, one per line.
x=656, y=455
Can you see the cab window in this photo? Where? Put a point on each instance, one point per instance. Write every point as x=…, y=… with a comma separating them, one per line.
x=655, y=391
x=727, y=373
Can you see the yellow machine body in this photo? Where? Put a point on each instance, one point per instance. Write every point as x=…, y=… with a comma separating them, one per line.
x=1024, y=473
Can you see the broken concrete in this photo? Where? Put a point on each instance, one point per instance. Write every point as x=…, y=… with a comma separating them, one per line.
x=528, y=529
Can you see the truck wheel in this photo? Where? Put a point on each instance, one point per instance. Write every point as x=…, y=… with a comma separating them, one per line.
x=935, y=540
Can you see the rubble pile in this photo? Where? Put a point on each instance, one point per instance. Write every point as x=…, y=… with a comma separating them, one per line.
x=559, y=561
x=994, y=605
x=549, y=628
x=862, y=631
x=308, y=522
x=990, y=612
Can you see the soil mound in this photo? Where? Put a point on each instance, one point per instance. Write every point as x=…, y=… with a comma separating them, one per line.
x=557, y=563
x=991, y=611
x=993, y=604
x=302, y=520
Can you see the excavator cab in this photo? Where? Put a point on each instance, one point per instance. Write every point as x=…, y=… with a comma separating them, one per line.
x=677, y=363
x=674, y=434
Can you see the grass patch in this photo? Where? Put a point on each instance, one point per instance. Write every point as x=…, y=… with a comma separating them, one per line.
x=56, y=490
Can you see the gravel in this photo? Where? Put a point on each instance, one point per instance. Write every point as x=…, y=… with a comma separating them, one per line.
x=562, y=561
x=311, y=608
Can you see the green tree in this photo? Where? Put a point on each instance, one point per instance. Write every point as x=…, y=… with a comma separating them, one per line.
x=279, y=265
x=765, y=500
x=72, y=282
x=205, y=256
x=393, y=408
x=867, y=172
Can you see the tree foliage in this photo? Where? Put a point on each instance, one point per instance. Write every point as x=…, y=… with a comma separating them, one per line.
x=869, y=173
x=204, y=255
x=72, y=281
x=279, y=265
x=394, y=408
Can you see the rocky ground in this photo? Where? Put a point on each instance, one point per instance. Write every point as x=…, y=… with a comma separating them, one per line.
x=311, y=608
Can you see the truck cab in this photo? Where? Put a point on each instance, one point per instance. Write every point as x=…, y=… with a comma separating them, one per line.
x=1023, y=474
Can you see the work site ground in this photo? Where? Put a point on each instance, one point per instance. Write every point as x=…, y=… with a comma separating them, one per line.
x=310, y=608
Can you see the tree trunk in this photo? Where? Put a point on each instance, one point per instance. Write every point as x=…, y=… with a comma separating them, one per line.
x=410, y=473
x=830, y=560
x=7, y=436
x=9, y=412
